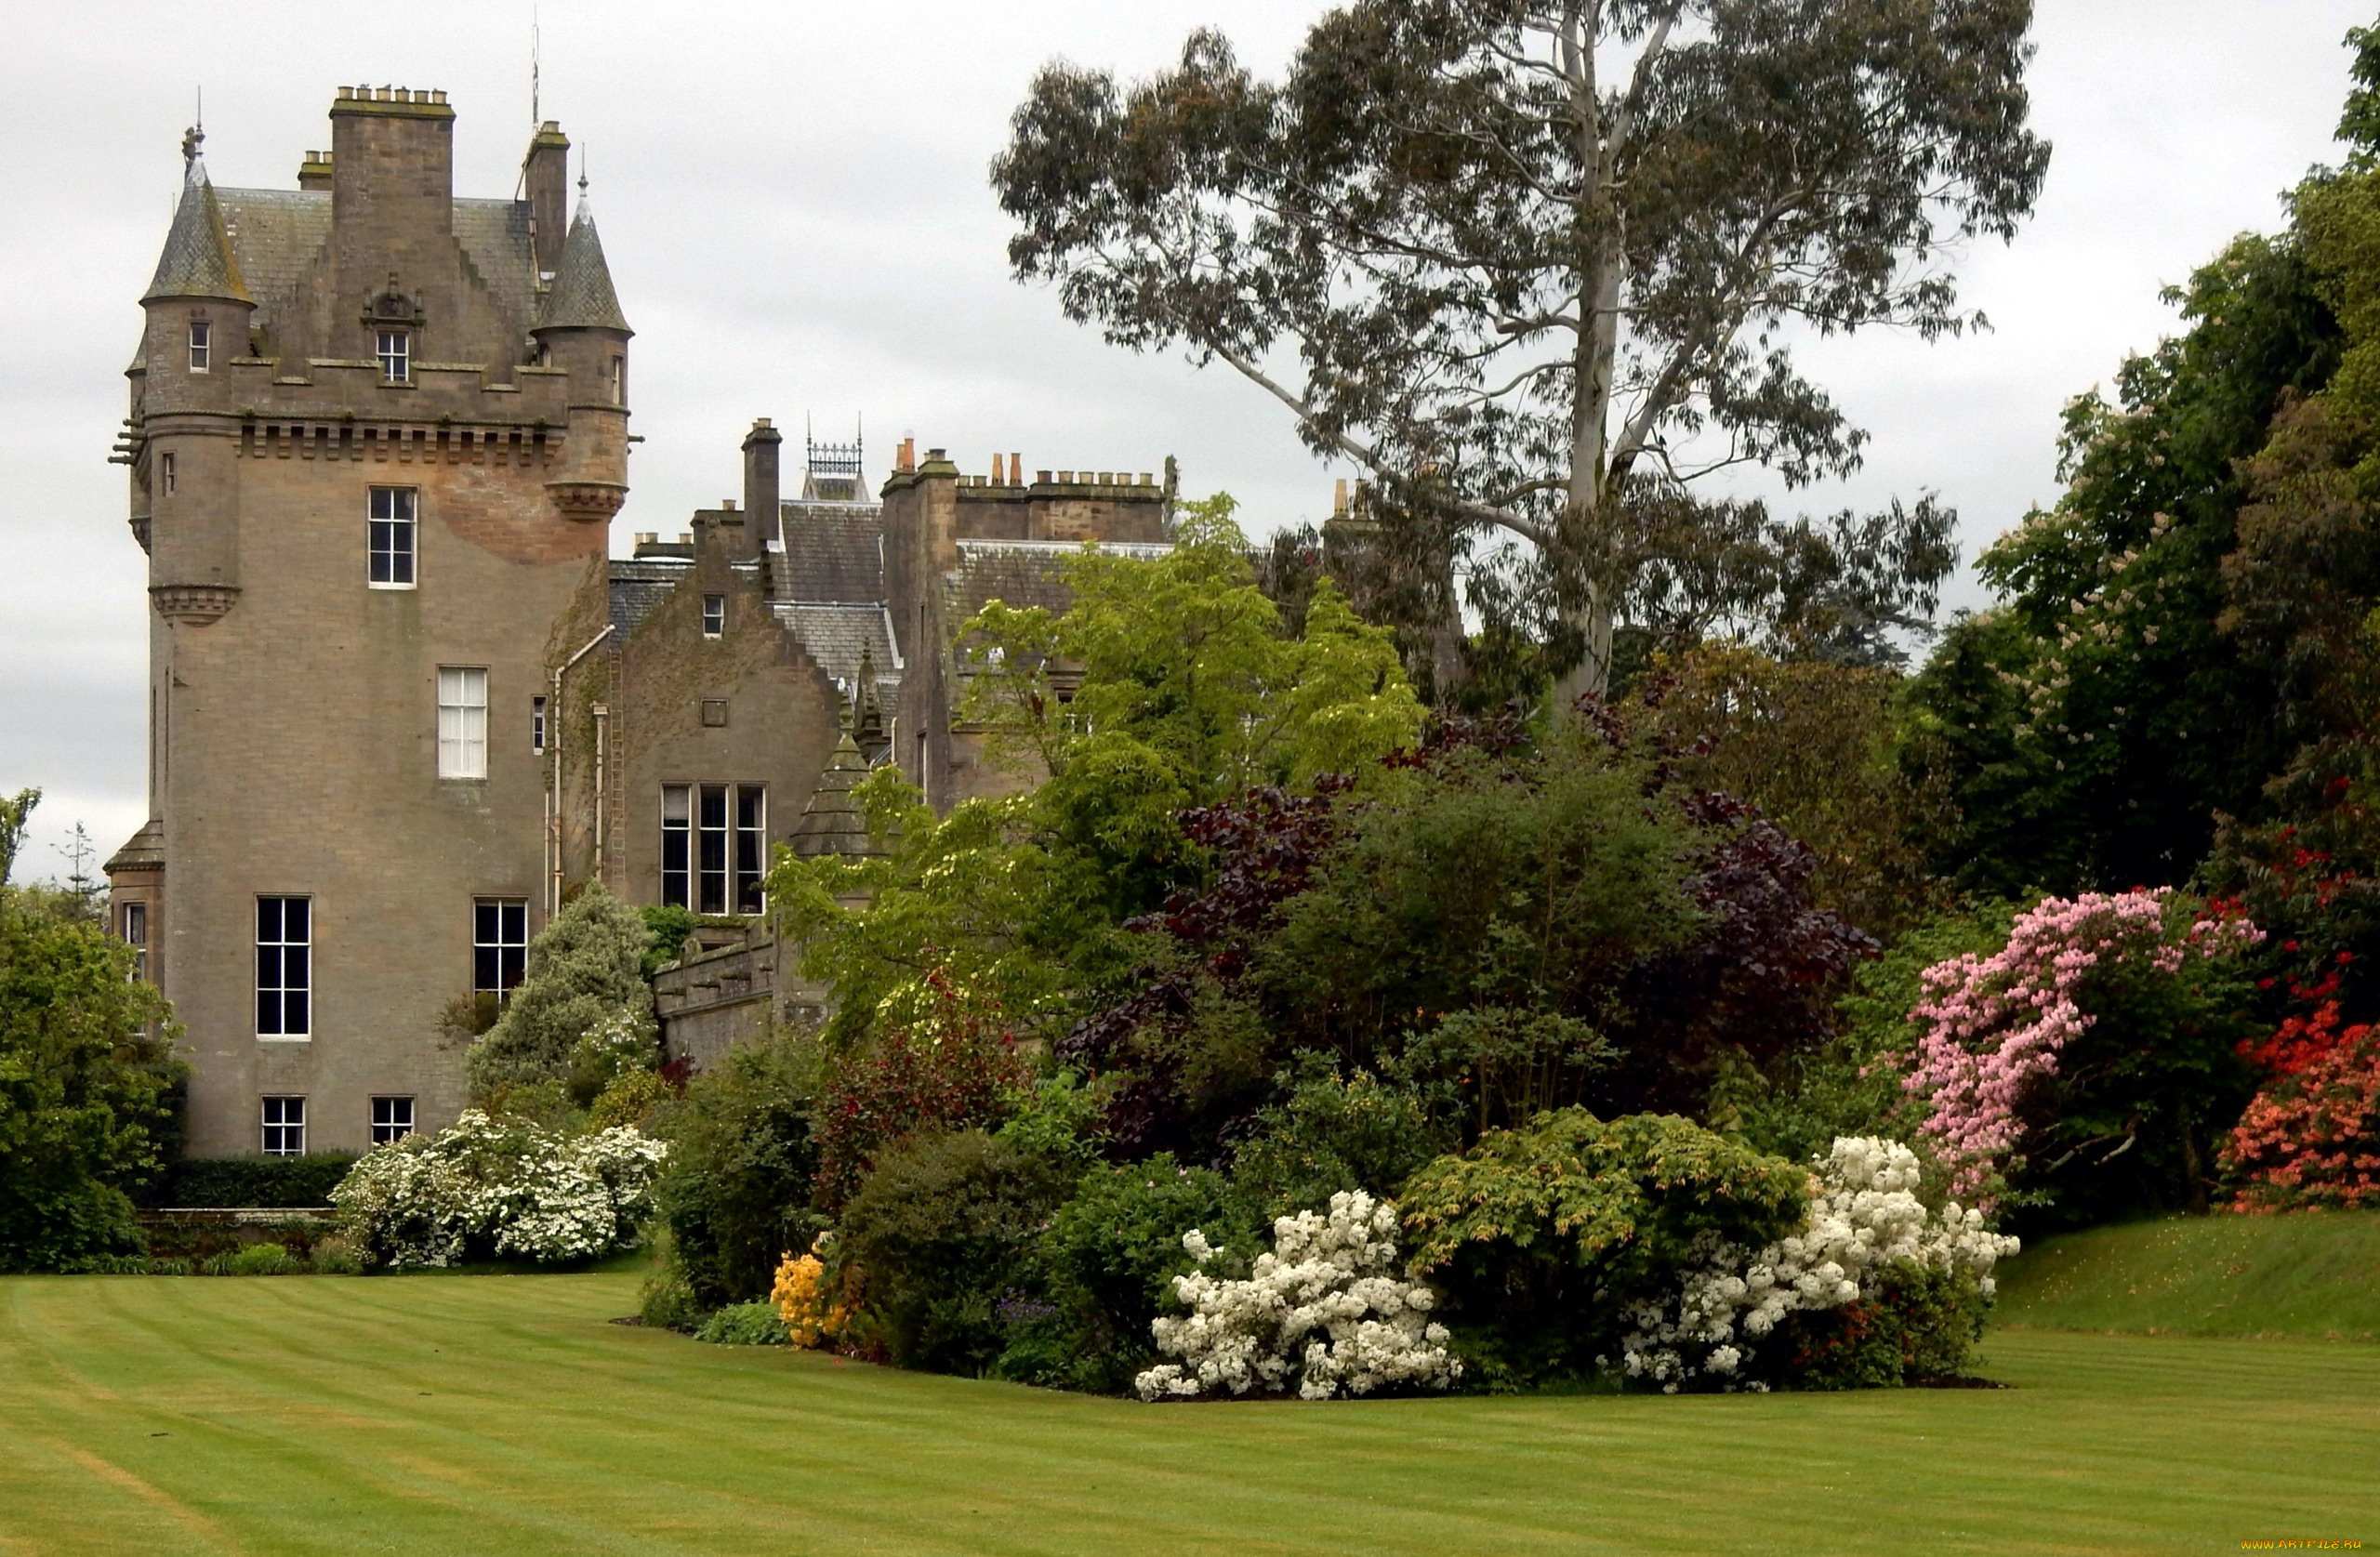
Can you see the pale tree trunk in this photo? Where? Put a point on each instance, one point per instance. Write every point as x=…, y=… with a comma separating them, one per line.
x=1583, y=578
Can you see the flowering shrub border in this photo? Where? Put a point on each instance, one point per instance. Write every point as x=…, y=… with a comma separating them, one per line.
x=1865, y=1218
x=487, y=1188
x=1323, y=1312
x=2311, y=1138
x=1991, y=1027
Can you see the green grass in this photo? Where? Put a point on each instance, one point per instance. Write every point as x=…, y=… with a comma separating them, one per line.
x=2313, y=1276
x=502, y=1414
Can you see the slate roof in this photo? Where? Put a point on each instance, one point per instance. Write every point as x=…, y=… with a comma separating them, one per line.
x=833, y=823
x=198, y=261
x=836, y=635
x=833, y=551
x=143, y=851
x=582, y=296
x=1023, y=574
x=637, y=586
x=279, y=235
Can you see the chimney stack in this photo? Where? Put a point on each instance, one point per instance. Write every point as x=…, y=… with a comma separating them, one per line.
x=392, y=165
x=545, y=177
x=762, y=487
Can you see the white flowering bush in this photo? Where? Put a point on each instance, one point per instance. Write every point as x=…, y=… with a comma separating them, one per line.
x=499, y=1189
x=1324, y=1313
x=1866, y=1237
x=625, y=1040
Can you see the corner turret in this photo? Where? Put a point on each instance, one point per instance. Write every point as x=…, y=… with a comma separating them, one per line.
x=581, y=331
x=199, y=311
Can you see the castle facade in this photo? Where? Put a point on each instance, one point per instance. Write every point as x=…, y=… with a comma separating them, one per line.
x=403, y=701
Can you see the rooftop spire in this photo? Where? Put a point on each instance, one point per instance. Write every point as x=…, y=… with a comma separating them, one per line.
x=581, y=297
x=198, y=261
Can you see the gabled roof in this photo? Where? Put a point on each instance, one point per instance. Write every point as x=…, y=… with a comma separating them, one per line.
x=840, y=639
x=198, y=261
x=833, y=552
x=582, y=296
x=639, y=585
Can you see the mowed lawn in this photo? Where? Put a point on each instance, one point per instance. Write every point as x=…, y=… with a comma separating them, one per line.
x=504, y=1414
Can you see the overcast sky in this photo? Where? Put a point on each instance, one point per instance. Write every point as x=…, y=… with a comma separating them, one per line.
x=794, y=202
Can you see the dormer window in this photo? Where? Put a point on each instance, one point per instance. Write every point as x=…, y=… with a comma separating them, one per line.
x=714, y=616
x=201, y=345
x=396, y=357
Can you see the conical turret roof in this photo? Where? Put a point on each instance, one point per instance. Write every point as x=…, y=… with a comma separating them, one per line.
x=833, y=823
x=581, y=297
x=198, y=261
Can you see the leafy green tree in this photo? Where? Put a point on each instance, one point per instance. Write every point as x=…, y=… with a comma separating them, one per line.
x=1166, y=685
x=1527, y=266
x=1815, y=744
x=735, y=1191
x=89, y=1084
x=944, y=1227
x=2187, y=622
x=2092, y=725
x=1516, y=889
x=585, y=979
x=1186, y=671
x=16, y=815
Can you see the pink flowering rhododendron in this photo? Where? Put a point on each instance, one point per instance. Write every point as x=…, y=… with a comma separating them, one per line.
x=1991, y=1027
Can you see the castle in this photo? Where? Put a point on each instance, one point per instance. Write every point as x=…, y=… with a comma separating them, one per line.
x=403, y=701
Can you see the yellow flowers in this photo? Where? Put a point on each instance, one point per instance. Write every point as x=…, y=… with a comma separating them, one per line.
x=812, y=1316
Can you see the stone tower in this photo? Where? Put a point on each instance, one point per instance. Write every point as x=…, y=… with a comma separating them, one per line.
x=377, y=437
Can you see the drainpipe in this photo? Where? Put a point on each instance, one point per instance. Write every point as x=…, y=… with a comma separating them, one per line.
x=553, y=787
x=602, y=714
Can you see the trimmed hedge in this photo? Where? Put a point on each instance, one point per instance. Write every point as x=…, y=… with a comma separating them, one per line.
x=257, y=1180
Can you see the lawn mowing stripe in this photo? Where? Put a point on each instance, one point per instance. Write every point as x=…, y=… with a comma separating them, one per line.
x=546, y=1429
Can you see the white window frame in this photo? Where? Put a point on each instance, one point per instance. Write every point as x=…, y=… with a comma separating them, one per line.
x=285, y=970
x=392, y=1119
x=619, y=380
x=132, y=929
x=537, y=726
x=504, y=939
x=392, y=538
x=202, y=346
x=719, y=835
x=280, y=1122
x=714, y=616
x=462, y=721
x=394, y=349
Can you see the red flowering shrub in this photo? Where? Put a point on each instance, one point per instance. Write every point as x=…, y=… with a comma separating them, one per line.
x=955, y=1070
x=2311, y=1139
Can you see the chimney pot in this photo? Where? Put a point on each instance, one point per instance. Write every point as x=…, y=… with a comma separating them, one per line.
x=685, y=538
x=1016, y=468
x=727, y=505
x=1042, y=477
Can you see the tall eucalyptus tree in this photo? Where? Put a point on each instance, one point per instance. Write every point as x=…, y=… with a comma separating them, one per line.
x=1535, y=266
